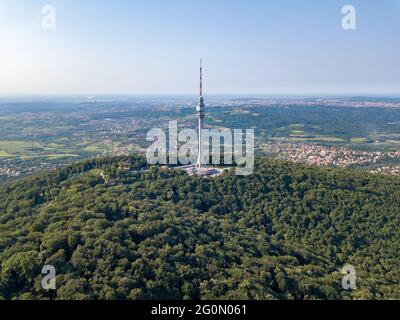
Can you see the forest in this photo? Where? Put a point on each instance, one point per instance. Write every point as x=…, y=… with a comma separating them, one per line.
x=284, y=232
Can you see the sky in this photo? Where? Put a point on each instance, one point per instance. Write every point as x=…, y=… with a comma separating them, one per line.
x=154, y=46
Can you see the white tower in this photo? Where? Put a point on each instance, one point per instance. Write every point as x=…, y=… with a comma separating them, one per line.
x=201, y=115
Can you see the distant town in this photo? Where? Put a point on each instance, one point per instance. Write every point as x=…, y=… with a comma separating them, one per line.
x=337, y=157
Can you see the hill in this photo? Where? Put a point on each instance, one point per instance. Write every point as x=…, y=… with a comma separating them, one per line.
x=283, y=233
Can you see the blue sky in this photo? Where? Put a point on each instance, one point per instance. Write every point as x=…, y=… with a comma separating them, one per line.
x=153, y=47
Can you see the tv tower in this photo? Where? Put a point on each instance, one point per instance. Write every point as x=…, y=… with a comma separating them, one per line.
x=201, y=115
x=200, y=168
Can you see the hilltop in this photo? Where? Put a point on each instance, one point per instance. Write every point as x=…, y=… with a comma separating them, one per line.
x=283, y=233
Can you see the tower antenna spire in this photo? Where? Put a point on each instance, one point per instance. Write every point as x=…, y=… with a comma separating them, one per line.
x=201, y=77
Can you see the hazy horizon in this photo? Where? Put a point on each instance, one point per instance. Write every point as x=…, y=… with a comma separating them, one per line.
x=94, y=97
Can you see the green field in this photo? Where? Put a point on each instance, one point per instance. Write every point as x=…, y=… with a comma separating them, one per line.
x=298, y=138
x=359, y=140
x=17, y=147
x=92, y=148
x=60, y=156
x=4, y=154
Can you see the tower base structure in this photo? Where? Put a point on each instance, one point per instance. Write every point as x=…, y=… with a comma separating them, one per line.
x=202, y=171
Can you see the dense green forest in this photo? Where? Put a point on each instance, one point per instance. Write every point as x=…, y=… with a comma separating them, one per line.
x=284, y=232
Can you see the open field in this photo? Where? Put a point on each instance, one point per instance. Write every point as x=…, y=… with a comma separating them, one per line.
x=315, y=139
x=4, y=154
x=16, y=147
x=359, y=140
x=60, y=156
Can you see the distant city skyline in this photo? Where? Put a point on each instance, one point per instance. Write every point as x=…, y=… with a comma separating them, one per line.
x=153, y=47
